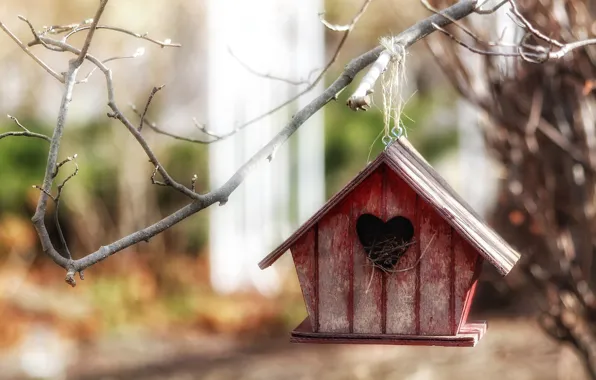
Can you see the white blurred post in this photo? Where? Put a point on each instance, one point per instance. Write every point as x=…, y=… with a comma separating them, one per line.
x=277, y=37
x=310, y=53
x=478, y=180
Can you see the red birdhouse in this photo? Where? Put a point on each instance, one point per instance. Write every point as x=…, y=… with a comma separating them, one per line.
x=393, y=258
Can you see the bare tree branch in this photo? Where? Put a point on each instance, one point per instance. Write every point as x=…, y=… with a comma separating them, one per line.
x=153, y=180
x=139, y=52
x=153, y=92
x=25, y=133
x=347, y=27
x=220, y=195
x=144, y=36
x=89, y=38
x=57, y=202
x=489, y=10
x=40, y=211
x=528, y=26
x=117, y=114
x=360, y=99
x=266, y=76
x=35, y=34
x=38, y=217
x=30, y=54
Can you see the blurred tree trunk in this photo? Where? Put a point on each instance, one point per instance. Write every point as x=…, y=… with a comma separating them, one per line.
x=541, y=128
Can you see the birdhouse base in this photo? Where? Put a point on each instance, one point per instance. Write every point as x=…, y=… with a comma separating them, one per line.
x=468, y=336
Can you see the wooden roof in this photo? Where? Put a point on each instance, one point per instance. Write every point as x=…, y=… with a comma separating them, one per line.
x=402, y=158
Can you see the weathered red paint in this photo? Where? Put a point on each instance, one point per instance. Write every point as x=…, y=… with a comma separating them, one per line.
x=426, y=296
x=335, y=261
x=468, y=336
x=305, y=260
x=401, y=287
x=425, y=300
x=435, y=278
x=368, y=291
x=466, y=269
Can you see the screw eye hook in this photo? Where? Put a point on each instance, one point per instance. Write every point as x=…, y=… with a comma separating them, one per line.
x=398, y=132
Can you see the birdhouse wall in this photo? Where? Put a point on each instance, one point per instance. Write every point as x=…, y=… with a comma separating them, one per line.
x=344, y=293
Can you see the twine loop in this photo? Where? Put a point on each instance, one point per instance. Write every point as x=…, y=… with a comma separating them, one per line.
x=393, y=79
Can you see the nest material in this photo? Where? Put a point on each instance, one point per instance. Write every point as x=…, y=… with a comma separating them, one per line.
x=386, y=253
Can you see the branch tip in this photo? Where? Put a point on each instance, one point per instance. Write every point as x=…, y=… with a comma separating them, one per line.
x=70, y=278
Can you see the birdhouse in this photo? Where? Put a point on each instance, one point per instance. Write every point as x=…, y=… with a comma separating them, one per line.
x=393, y=258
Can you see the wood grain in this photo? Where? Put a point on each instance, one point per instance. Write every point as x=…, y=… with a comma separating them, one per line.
x=335, y=265
x=368, y=300
x=466, y=259
x=305, y=260
x=469, y=336
x=400, y=287
x=435, y=272
x=404, y=159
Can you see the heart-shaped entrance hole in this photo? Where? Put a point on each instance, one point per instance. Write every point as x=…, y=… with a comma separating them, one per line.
x=384, y=242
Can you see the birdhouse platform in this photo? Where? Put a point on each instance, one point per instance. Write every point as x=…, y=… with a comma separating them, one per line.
x=393, y=258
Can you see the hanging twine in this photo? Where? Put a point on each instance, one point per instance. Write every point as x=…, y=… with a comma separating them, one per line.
x=392, y=81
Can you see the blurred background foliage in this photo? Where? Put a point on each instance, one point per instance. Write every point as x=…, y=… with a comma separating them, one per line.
x=163, y=284
x=351, y=140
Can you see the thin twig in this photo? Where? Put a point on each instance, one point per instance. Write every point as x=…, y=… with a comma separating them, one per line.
x=347, y=27
x=35, y=34
x=466, y=30
x=57, y=202
x=193, y=182
x=144, y=36
x=475, y=49
x=46, y=192
x=216, y=137
x=30, y=54
x=266, y=76
x=61, y=163
x=527, y=25
x=153, y=92
x=490, y=10
x=92, y=28
x=59, y=29
x=17, y=122
x=153, y=180
x=25, y=133
x=137, y=53
x=76, y=171
x=59, y=229
x=117, y=114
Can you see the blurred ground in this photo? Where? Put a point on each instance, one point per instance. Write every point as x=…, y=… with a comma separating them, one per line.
x=512, y=349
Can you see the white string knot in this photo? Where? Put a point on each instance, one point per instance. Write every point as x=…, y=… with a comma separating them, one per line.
x=393, y=79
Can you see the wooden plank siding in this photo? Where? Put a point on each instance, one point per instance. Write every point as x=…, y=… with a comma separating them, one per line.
x=335, y=269
x=436, y=316
x=466, y=265
x=401, y=287
x=368, y=282
x=344, y=295
x=304, y=254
